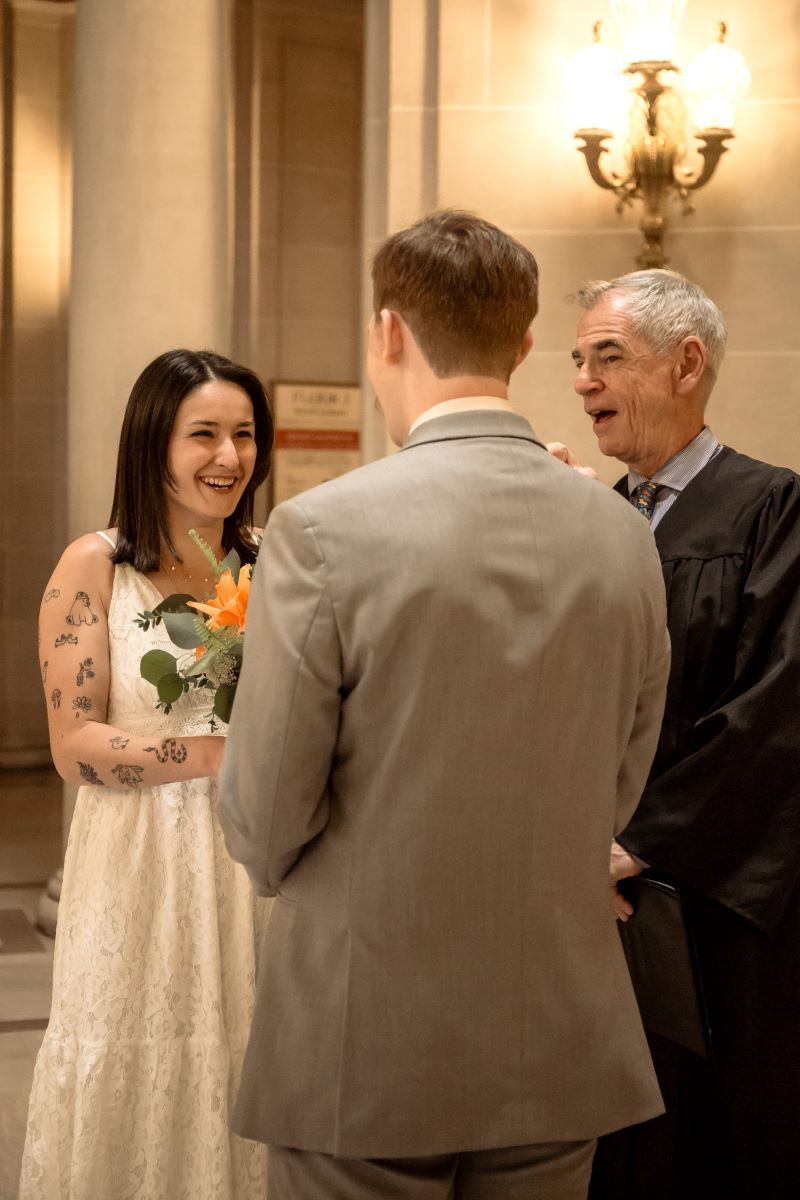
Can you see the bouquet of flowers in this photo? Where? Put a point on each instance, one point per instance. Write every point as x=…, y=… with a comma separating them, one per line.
x=212, y=642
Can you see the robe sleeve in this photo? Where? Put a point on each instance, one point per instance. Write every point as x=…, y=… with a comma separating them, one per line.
x=725, y=819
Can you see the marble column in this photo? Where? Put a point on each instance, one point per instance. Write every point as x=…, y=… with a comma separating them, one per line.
x=401, y=153
x=151, y=239
x=150, y=221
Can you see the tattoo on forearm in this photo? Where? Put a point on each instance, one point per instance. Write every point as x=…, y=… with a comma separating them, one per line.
x=44, y=673
x=51, y=595
x=81, y=704
x=89, y=774
x=80, y=612
x=85, y=671
x=119, y=743
x=128, y=776
x=55, y=697
x=66, y=639
x=170, y=748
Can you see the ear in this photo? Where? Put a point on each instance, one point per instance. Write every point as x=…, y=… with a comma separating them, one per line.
x=525, y=348
x=690, y=366
x=391, y=334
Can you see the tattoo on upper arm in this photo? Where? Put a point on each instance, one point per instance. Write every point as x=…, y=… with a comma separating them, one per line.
x=119, y=743
x=89, y=774
x=55, y=698
x=80, y=612
x=51, y=595
x=170, y=748
x=127, y=775
x=44, y=672
x=81, y=704
x=85, y=671
x=66, y=639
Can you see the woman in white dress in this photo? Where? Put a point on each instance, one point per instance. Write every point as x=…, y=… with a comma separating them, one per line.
x=157, y=927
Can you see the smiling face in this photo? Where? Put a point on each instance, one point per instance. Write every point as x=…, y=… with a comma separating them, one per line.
x=642, y=408
x=211, y=454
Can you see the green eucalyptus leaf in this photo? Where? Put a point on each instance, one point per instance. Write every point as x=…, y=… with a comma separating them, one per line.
x=201, y=666
x=223, y=701
x=231, y=562
x=174, y=603
x=156, y=663
x=170, y=688
x=182, y=629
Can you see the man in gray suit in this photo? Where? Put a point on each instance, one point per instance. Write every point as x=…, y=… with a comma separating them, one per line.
x=454, y=679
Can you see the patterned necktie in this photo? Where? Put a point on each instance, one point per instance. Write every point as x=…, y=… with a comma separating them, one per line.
x=644, y=497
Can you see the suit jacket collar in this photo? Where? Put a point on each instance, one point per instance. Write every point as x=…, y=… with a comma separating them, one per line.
x=477, y=423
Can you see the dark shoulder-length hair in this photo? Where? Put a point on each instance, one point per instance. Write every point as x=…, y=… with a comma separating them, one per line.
x=139, y=509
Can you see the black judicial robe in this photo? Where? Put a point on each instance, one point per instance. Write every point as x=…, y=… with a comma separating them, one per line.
x=721, y=815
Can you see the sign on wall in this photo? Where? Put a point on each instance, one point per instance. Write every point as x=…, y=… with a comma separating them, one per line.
x=317, y=435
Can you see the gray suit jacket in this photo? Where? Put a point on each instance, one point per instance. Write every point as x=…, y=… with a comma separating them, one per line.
x=453, y=683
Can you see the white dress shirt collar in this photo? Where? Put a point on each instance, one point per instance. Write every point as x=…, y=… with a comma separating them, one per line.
x=461, y=404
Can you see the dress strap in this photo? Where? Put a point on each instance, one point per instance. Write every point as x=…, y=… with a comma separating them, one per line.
x=101, y=533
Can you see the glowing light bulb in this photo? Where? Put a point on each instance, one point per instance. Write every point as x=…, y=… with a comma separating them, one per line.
x=716, y=81
x=596, y=86
x=649, y=28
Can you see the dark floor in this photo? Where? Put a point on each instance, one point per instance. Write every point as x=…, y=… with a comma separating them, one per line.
x=30, y=851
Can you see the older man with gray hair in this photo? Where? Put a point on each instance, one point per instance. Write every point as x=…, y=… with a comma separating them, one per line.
x=720, y=815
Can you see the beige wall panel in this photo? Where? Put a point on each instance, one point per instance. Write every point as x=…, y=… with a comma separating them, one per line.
x=263, y=336
x=324, y=200
x=745, y=271
x=465, y=51
x=39, y=363
x=758, y=180
x=324, y=134
x=375, y=181
x=37, y=141
x=412, y=166
x=754, y=406
x=412, y=38
x=319, y=282
x=318, y=351
x=36, y=212
x=566, y=260
x=37, y=58
x=38, y=292
x=265, y=292
x=42, y=472
x=531, y=44
x=519, y=167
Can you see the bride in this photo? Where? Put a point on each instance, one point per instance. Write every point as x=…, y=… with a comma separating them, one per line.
x=157, y=927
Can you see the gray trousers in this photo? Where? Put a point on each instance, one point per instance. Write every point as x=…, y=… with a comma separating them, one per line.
x=548, y=1171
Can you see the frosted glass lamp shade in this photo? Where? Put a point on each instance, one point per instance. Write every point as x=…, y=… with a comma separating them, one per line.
x=716, y=81
x=649, y=28
x=597, y=87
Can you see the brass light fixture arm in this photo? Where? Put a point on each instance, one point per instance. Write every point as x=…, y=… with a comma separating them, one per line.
x=592, y=150
x=711, y=149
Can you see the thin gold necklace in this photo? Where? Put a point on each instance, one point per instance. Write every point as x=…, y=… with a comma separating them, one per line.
x=176, y=569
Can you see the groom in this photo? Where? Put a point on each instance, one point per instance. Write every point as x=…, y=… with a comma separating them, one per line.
x=454, y=678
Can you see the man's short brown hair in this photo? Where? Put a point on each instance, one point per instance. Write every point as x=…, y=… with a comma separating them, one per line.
x=467, y=291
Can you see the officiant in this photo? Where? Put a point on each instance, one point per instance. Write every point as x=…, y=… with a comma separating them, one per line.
x=720, y=816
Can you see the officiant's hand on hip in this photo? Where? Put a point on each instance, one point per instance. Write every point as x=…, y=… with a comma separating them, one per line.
x=622, y=865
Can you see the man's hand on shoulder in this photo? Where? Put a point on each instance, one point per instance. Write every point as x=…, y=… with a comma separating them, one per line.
x=564, y=454
x=621, y=866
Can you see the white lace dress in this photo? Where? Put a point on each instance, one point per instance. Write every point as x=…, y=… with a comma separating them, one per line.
x=153, y=977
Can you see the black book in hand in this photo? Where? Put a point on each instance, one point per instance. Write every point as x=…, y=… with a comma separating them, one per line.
x=662, y=961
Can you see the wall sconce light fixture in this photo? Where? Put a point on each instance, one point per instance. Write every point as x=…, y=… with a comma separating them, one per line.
x=642, y=100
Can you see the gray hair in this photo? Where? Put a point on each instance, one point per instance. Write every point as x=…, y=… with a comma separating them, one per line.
x=665, y=308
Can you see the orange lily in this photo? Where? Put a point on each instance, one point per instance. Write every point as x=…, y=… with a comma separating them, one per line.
x=229, y=605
